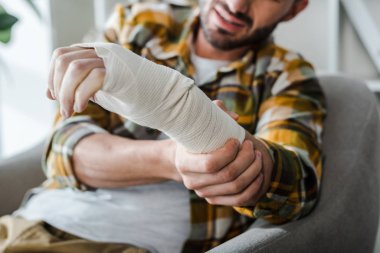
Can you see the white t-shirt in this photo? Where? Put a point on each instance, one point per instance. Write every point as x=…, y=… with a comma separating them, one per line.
x=155, y=217
x=205, y=69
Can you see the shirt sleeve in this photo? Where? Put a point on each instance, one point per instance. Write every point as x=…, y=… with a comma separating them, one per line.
x=133, y=25
x=130, y=26
x=57, y=158
x=290, y=126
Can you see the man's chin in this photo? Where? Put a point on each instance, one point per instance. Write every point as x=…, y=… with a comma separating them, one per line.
x=221, y=39
x=225, y=42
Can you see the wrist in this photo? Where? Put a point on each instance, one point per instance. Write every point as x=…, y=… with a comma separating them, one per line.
x=169, y=154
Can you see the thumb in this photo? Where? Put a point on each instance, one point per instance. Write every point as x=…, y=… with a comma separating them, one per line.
x=221, y=105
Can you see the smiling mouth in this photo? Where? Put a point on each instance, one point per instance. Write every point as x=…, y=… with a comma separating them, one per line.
x=227, y=20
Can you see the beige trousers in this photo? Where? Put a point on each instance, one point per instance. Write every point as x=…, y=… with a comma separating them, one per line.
x=18, y=235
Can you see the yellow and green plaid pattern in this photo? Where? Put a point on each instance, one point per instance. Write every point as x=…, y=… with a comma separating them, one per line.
x=274, y=92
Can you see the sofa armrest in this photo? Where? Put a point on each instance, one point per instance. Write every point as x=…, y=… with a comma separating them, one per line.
x=258, y=238
x=17, y=175
x=347, y=216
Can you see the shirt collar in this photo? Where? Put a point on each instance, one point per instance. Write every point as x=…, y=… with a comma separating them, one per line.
x=164, y=49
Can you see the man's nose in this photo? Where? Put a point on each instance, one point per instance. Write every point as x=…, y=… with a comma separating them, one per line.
x=237, y=6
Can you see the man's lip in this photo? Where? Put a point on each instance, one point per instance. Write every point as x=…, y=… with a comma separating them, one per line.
x=228, y=17
x=224, y=24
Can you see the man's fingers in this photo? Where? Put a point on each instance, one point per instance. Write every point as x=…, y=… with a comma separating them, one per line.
x=221, y=105
x=207, y=163
x=247, y=198
x=90, y=85
x=49, y=95
x=77, y=71
x=57, y=52
x=229, y=173
x=236, y=186
x=62, y=62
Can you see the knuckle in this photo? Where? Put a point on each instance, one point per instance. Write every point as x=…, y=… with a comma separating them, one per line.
x=218, y=102
x=235, y=187
x=211, y=201
x=240, y=201
x=248, y=151
x=98, y=72
x=77, y=65
x=257, y=184
x=189, y=184
x=62, y=61
x=248, y=194
x=181, y=168
x=232, y=150
x=200, y=194
x=208, y=166
x=248, y=155
x=178, y=177
x=59, y=51
x=228, y=174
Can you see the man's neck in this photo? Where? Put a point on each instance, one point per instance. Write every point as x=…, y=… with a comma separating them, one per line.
x=204, y=49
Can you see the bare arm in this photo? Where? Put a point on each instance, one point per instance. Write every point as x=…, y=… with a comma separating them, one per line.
x=120, y=162
x=109, y=161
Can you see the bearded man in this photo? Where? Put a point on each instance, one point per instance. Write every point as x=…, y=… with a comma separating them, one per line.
x=140, y=160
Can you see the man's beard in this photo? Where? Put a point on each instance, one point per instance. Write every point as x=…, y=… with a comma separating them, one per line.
x=222, y=40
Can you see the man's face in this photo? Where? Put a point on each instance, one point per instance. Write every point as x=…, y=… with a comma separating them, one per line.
x=230, y=24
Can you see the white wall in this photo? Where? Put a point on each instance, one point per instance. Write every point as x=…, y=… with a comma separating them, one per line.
x=309, y=34
x=71, y=20
x=355, y=60
x=25, y=112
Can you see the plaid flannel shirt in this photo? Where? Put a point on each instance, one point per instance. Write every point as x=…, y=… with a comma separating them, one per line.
x=274, y=91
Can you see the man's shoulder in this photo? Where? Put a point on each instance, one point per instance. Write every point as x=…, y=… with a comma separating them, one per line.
x=171, y=8
x=136, y=23
x=279, y=54
x=275, y=58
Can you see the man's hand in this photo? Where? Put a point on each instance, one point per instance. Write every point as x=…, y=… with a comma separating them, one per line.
x=76, y=74
x=231, y=175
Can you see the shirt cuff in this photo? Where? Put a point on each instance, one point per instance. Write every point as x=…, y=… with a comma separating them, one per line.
x=57, y=159
x=273, y=205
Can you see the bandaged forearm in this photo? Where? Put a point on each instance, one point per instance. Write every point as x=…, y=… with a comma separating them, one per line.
x=158, y=97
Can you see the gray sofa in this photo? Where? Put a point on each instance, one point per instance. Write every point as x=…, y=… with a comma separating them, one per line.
x=346, y=217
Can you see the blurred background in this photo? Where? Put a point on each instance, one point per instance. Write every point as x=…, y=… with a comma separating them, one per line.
x=338, y=36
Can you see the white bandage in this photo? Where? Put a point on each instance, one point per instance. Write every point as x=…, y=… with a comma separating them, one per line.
x=162, y=98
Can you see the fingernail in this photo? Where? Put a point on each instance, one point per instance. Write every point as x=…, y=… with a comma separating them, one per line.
x=258, y=153
x=76, y=107
x=64, y=113
x=235, y=115
x=250, y=143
